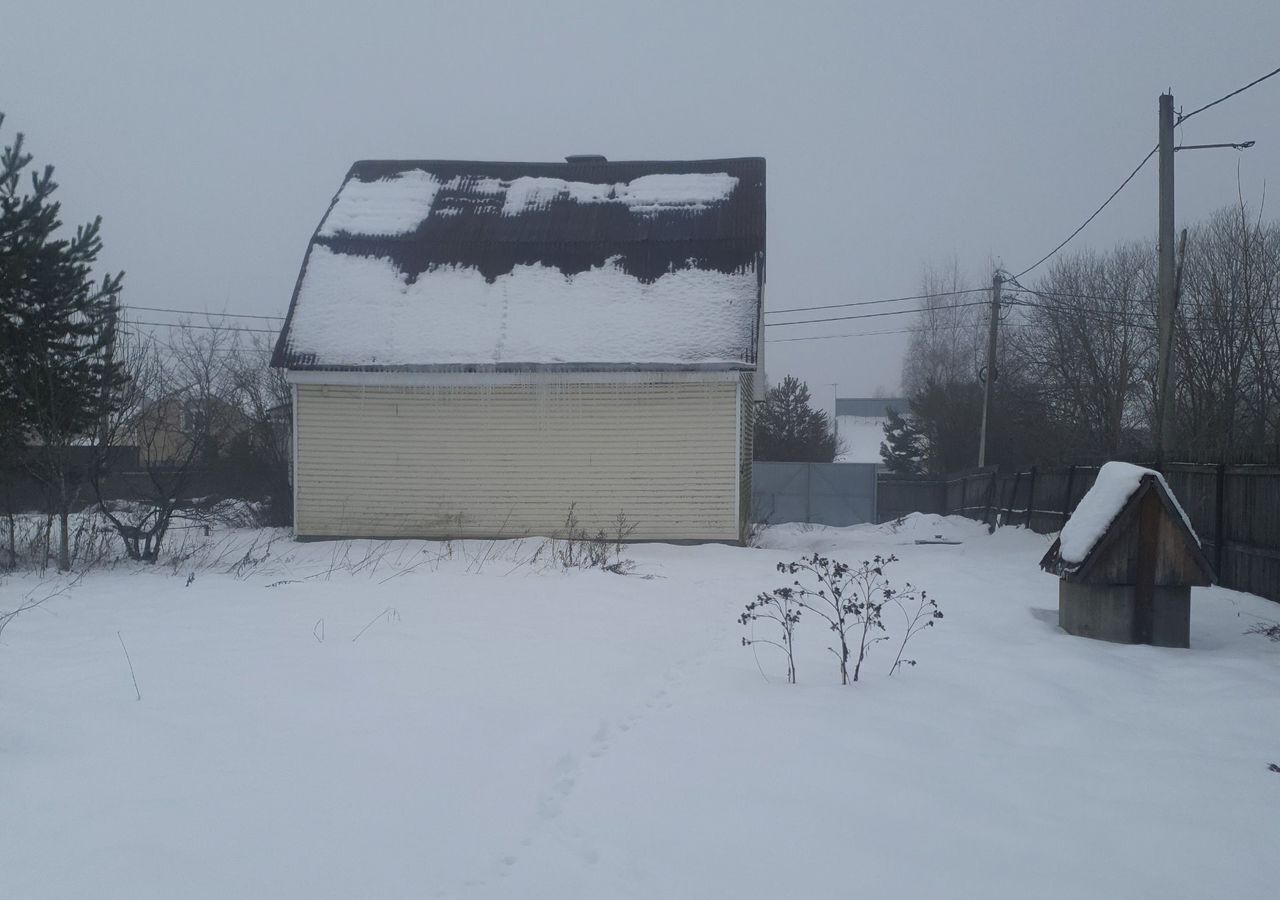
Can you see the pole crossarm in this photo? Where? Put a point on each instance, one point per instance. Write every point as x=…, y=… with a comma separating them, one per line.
x=1243, y=145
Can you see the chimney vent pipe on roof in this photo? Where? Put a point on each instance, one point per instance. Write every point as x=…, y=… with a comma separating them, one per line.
x=585, y=158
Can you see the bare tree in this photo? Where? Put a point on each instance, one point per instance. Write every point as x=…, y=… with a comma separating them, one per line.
x=263, y=451
x=1084, y=337
x=1226, y=334
x=949, y=339
x=178, y=412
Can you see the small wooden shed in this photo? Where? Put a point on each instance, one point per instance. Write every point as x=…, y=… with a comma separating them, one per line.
x=1127, y=560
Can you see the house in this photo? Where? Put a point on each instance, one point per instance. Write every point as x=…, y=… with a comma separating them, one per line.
x=180, y=428
x=476, y=347
x=859, y=426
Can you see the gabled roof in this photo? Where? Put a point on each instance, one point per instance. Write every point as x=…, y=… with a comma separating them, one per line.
x=1108, y=514
x=425, y=265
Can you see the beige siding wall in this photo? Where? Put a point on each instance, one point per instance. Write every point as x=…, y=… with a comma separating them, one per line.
x=508, y=459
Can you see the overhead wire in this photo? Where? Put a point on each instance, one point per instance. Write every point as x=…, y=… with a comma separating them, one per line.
x=892, y=312
x=1239, y=90
x=1093, y=216
x=197, y=312
x=775, y=312
x=853, y=334
x=1181, y=119
x=244, y=328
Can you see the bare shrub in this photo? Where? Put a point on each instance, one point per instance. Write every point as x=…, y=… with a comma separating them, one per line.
x=780, y=606
x=1269, y=630
x=574, y=548
x=852, y=601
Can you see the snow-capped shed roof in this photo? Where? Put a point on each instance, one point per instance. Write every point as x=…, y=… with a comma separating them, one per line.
x=424, y=265
x=1100, y=535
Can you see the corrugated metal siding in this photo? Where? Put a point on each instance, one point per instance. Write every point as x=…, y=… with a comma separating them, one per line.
x=507, y=460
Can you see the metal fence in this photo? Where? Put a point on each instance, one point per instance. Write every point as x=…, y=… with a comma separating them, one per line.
x=1235, y=510
x=821, y=493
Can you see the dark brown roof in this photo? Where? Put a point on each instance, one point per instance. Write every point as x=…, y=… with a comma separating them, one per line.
x=468, y=227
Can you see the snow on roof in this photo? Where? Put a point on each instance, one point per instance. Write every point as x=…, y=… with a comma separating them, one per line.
x=384, y=206
x=398, y=204
x=422, y=264
x=646, y=194
x=1115, y=484
x=861, y=437
x=871, y=406
x=535, y=314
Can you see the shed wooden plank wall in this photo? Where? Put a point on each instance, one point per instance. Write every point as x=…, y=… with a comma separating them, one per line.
x=506, y=460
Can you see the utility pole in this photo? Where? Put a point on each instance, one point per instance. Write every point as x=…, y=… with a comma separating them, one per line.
x=835, y=409
x=988, y=383
x=1169, y=275
x=1165, y=276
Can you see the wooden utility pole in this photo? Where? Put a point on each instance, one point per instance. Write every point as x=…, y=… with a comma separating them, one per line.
x=1165, y=276
x=988, y=383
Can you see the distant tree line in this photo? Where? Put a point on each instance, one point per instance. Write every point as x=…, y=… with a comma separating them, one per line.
x=1076, y=360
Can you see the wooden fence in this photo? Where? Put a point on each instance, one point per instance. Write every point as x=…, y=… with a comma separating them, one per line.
x=1235, y=510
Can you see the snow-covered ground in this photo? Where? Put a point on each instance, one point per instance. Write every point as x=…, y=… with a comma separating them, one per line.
x=414, y=720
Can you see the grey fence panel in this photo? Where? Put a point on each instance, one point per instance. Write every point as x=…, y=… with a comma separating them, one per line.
x=843, y=493
x=897, y=496
x=1235, y=510
x=821, y=493
x=779, y=492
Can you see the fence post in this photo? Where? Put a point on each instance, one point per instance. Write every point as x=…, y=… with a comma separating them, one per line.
x=1031, y=495
x=1066, y=501
x=808, y=492
x=1218, y=519
x=991, y=495
x=1013, y=496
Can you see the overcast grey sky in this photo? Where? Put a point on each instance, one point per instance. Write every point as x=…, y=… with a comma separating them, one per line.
x=212, y=136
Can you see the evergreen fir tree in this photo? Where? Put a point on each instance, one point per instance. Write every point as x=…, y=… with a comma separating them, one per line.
x=789, y=430
x=903, y=447
x=57, y=336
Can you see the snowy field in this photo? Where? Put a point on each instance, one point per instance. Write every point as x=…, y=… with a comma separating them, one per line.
x=415, y=720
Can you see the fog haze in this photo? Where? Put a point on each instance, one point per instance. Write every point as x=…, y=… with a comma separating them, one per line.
x=212, y=137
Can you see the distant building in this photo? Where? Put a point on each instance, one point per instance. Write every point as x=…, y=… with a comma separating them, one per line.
x=860, y=425
x=162, y=430
x=475, y=347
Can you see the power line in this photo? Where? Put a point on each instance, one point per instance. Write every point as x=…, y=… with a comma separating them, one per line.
x=1092, y=217
x=1087, y=313
x=828, y=337
x=892, y=312
x=1074, y=311
x=774, y=312
x=853, y=334
x=242, y=350
x=1040, y=292
x=1240, y=90
x=1132, y=174
x=203, y=327
x=196, y=312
